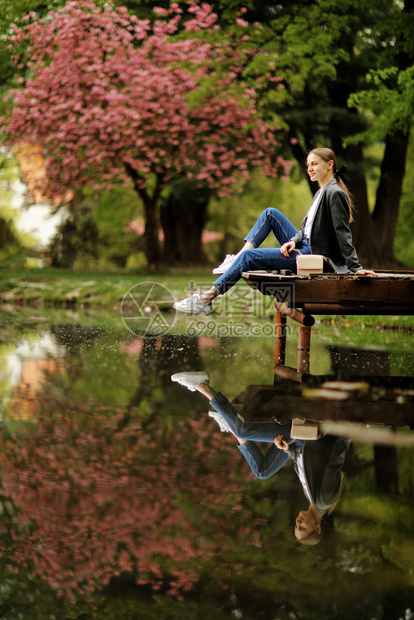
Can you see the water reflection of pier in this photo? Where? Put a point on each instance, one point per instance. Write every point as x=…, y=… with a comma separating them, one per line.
x=358, y=390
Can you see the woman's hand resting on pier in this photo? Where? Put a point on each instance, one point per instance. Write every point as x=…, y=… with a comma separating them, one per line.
x=365, y=272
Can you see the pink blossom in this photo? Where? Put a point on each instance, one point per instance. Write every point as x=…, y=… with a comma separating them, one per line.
x=113, y=100
x=208, y=236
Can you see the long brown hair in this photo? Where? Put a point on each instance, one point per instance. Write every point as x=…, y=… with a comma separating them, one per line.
x=328, y=155
x=314, y=538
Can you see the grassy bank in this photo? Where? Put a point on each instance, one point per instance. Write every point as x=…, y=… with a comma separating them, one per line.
x=65, y=289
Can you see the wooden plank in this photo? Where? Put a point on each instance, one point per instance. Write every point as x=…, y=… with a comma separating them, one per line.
x=373, y=435
x=337, y=289
x=349, y=292
x=358, y=308
x=255, y=397
x=285, y=386
x=390, y=413
x=279, y=275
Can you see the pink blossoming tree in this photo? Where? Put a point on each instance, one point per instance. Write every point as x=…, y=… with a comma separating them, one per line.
x=110, y=99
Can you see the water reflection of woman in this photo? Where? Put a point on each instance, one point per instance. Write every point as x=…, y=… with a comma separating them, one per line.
x=318, y=464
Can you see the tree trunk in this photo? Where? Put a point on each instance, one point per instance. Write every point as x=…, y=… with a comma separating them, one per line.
x=151, y=238
x=385, y=216
x=374, y=234
x=389, y=193
x=183, y=217
x=386, y=469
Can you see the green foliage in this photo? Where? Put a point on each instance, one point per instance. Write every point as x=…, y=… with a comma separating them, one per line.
x=9, y=244
x=112, y=213
x=323, y=51
x=387, y=96
x=97, y=230
x=388, y=108
x=76, y=237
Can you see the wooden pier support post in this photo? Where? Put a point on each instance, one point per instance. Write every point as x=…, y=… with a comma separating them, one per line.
x=303, y=357
x=295, y=315
x=284, y=372
x=280, y=347
x=305, y=321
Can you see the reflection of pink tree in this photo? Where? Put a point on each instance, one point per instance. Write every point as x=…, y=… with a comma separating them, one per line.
x=95, y=501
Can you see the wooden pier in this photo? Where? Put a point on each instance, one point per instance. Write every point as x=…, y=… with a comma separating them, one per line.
x=300, y=298
x=297, y=393
x=359, y=400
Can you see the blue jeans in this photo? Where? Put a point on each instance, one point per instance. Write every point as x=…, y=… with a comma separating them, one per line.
x=268, y=259
x=263, y=466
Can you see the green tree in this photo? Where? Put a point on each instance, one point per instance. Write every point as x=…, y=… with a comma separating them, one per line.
x=77, y=236
x=326, y=51
x=387, y=102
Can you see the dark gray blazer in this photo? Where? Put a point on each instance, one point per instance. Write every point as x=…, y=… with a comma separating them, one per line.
x=323, y=460
x=330, y=232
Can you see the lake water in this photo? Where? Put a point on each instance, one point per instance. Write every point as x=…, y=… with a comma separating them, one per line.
x=121, y=498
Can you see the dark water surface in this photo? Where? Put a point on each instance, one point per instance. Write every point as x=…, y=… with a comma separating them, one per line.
x=121, y=498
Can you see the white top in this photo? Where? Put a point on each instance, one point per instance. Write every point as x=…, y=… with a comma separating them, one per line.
x=312, y=212
x=301, y=474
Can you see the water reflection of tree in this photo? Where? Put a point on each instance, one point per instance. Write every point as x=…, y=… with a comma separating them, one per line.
x=76, y=337
x=158, y=360
x=96, y=502
x=163, y=503
x=351, y=361
x=174, y=509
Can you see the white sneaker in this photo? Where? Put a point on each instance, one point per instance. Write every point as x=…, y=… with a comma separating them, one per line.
x=194, y=305
x=228, y=261
x=224, y=427
x=191, y=380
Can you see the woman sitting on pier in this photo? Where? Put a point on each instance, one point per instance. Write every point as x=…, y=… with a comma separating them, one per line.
x=317, y=463
x=325, y=230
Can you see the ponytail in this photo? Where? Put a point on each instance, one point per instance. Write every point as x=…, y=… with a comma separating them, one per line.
x=328, y=155
x=342, y=185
